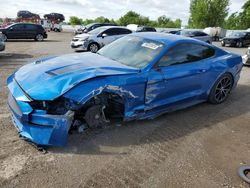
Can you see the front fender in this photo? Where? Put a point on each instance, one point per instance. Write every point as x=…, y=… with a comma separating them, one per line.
x=132, y=93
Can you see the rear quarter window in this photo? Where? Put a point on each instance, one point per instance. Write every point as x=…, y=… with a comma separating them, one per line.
x=31, y=27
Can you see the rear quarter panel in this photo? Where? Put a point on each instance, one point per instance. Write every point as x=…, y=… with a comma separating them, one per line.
x=225, y=62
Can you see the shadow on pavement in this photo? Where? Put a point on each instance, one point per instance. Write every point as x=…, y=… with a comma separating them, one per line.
x=168, y=127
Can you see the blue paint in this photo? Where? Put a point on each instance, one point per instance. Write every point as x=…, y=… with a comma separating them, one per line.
x=147, y=92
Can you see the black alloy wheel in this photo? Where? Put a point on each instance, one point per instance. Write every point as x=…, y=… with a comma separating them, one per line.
x=221, y=89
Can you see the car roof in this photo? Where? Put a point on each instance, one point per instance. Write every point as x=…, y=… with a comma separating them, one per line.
x=113, y=26
x=165, y=38
x=26, y=23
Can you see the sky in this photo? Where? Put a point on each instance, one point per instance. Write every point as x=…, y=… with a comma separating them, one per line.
x=108, y=8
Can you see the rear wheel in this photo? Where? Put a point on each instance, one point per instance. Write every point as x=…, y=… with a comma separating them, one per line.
x=39, y=37
x=221, y=89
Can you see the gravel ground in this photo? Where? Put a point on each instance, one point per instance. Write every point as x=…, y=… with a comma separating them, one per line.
x=201, y=146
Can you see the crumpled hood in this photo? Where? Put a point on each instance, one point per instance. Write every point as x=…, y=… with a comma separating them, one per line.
x=49, y=78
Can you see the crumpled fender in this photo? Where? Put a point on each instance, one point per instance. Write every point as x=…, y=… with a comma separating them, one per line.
x=132, y=94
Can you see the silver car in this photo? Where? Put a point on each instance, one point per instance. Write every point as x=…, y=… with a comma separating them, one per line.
x=97, y=38
x=246, y=57
x=2, y=44
x=199, y=35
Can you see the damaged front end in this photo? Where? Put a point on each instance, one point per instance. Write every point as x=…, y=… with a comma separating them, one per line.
x=38, y=121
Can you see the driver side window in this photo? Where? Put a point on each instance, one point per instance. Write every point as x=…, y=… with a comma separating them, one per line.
x=186, y=53
x=17, y=27
x=110, y=32
x=176, y=55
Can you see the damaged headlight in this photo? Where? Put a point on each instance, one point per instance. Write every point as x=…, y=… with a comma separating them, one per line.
x=59, y=106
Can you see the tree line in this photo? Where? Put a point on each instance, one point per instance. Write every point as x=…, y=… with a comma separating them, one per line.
x=203, y=13
x=130, y=17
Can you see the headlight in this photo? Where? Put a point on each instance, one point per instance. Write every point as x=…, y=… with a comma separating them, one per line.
x=58, y=107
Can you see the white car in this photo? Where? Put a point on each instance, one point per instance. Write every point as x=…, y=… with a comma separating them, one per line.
x=97, y=38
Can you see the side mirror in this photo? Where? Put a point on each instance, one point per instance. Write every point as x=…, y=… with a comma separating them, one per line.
x=104, y=35
x=11, y=28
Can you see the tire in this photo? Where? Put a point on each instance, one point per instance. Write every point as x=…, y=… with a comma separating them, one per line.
x=4, y=37
x=221, y=89
x=94, y=116
x=39, y=37
x=222, y=43
x=239, y=44
x=243, y=171
x=93, y=47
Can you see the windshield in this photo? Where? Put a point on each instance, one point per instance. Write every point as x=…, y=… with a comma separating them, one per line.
x=132, y=51
x=89, y=25
x=237, y=34
x=97, y=30
x=8, y=26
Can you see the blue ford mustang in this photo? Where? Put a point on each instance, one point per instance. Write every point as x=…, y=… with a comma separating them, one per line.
x=136, y=77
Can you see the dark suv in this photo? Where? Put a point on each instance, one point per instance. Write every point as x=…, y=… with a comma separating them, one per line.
x=24, y=31
x=237, y=39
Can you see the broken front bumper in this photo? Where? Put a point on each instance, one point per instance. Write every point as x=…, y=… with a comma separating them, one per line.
x=35, y=125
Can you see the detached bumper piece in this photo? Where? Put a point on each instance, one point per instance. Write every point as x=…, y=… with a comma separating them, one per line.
x=35, y=125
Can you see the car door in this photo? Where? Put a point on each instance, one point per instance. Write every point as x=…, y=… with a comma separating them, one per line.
x=181, y=77
x=16, y=32
x=108, y=36
x=30, y=31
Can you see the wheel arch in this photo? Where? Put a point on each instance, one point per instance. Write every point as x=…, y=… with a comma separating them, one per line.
x=114, y=103
x=226, y=72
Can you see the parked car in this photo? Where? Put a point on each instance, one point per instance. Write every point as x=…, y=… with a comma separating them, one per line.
x=139, y=76
x=246, y=57
x=236, y=39
x=93, y=26
x=145, y=29
x=2, y=44
x=138, y=28
x=174, y=32
x=97, y=38
x=24, y=31
x=199, y=35
x=79, y=30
